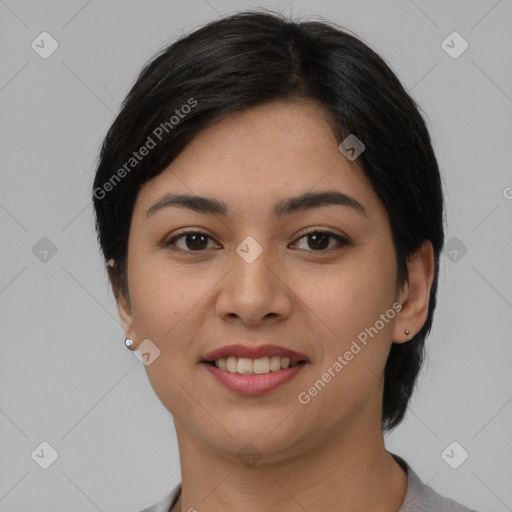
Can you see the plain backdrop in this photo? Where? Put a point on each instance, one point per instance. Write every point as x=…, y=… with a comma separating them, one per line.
x=66, y=378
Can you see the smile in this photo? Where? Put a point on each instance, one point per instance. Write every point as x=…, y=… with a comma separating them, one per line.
x=250, y=382
x=248, y=366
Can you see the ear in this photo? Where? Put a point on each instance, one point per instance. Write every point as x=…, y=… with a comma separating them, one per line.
x=415, y=294
x=124, y=309
x=126, y=317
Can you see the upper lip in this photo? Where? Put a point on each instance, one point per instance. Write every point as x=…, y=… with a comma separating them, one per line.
x=253, y=352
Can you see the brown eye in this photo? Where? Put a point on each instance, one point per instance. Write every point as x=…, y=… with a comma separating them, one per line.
x=319, y=240
x=193, y=241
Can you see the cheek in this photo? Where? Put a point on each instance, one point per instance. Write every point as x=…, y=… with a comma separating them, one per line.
x=170, y=304
x=160, y=300
x=350, y=296
x=167, y=309
x=352, y=353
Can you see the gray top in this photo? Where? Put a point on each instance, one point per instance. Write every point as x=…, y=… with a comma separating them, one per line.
x=418, y=498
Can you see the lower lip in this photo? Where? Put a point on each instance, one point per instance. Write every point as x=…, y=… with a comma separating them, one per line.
x=253, y=384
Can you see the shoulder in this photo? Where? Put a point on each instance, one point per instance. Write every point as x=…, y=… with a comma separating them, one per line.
x=422, y=498
x=167, y=502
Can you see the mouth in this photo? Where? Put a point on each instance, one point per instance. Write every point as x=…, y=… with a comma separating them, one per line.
x=249, y=370
x=253, y=360
x=248, y=366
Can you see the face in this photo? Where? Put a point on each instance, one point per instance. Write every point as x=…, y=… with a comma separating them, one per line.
x=311, y=277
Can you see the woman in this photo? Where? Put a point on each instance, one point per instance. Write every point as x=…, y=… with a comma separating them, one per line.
x=270, y=209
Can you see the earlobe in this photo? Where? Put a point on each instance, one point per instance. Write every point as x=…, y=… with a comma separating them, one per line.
x=415, y=294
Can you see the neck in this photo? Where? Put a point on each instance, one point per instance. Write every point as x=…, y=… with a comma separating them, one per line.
x=345, y=470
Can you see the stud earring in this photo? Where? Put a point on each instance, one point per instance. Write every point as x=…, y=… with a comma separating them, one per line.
x=128, y=342
x=407, y=332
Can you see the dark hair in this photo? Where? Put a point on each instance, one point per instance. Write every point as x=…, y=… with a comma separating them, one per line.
x=255, y=57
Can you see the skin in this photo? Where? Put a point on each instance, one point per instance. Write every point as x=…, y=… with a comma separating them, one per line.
x=328, y=454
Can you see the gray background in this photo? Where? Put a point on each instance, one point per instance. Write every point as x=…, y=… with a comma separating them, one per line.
x=66, y=377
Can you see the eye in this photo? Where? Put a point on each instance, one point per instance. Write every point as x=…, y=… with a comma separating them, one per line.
x=194, y=241
x=319, y=240
x=197, y=241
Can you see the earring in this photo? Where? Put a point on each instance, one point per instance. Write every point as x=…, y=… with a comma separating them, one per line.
x=128, y=342
x=407, y=332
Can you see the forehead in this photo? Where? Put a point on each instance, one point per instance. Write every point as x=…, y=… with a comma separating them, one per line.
x=287, y=131
x=257, y=155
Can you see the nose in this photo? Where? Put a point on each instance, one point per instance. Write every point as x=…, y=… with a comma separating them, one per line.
x=255, y=292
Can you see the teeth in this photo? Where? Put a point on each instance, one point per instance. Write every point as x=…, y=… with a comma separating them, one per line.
x=231, y=364
x=275, y=363
x=244, y=365
x=260, y=366
x=247, y=366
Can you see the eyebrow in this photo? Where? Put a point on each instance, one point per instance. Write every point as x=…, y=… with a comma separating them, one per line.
x=287, y=206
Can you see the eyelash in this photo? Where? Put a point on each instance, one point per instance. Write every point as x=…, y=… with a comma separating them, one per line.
x=340, y=239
